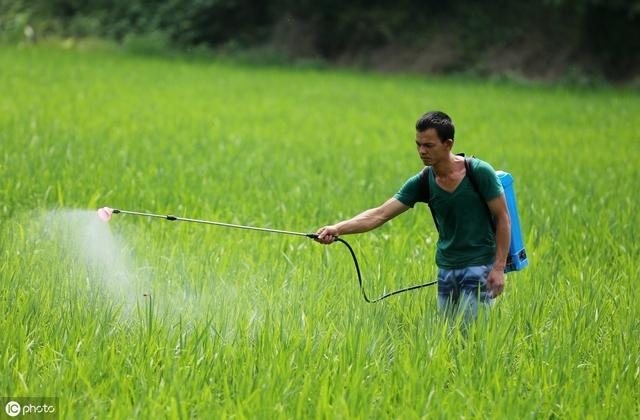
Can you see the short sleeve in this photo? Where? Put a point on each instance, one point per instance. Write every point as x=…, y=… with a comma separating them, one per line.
x=488, y=183
x=409, y=194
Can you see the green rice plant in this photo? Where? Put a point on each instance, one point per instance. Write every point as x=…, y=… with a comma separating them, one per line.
x=244, y=324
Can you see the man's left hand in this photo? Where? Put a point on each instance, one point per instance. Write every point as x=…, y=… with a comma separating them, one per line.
x=495, y=282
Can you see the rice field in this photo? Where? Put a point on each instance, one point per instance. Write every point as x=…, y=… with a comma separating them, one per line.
x=140, y=318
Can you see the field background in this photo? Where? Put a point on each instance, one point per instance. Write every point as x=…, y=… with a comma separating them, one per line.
x=255, y=325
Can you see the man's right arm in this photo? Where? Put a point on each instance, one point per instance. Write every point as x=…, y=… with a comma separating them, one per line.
x=364, y=222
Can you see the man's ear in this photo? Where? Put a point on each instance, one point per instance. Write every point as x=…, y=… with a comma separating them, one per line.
x=449, y=144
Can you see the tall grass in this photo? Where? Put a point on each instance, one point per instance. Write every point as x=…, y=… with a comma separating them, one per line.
x=255, y=325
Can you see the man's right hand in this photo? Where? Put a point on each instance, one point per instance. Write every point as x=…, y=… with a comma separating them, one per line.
x=327, y=235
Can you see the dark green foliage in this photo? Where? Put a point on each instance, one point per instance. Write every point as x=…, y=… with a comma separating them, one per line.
x=612, y=34
x=603, y=36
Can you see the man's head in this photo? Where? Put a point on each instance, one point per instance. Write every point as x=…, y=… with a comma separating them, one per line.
x=434, y=137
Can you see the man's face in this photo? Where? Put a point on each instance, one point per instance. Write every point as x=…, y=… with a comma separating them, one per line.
x=430, y=148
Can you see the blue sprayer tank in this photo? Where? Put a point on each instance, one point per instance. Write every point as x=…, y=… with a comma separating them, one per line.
x=517, y=258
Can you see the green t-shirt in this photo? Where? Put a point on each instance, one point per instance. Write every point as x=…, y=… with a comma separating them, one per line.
x=466, y=235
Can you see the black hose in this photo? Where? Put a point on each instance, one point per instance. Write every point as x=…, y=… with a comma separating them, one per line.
x=364, y=294
x=308, y=235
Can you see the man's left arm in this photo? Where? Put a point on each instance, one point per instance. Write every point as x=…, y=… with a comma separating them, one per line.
x=498, y=208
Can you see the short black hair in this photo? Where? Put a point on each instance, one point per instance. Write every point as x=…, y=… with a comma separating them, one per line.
x=439, y=121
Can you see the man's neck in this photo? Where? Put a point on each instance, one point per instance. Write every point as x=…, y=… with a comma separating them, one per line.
x=446, y=167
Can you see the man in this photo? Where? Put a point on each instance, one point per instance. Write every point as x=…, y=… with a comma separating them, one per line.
x=473, y=221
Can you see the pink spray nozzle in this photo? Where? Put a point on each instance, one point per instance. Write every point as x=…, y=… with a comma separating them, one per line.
x=105, y=213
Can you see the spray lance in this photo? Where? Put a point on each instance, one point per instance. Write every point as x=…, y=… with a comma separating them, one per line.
x=105, y=214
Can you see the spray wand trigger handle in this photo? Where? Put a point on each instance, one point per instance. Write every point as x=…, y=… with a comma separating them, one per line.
x=312, y=235
x=170, y=217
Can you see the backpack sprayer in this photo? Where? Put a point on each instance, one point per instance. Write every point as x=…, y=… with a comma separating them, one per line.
x=517, y=256
x=516, y=259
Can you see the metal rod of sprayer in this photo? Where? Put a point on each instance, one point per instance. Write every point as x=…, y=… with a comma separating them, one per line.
x=209, y=222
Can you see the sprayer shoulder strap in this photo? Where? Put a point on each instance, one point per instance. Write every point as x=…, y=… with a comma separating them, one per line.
x=470, y=174
x=474, y=184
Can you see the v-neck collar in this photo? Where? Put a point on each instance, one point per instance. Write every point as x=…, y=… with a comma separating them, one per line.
x=433, y=175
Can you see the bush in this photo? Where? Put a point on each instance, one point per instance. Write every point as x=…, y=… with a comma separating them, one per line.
x=604, y=36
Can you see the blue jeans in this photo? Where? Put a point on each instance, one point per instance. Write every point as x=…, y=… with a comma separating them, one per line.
x=461, y=291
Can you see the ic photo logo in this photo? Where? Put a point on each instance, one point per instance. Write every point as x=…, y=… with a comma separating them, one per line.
x=38, y=407
x=12, y=408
